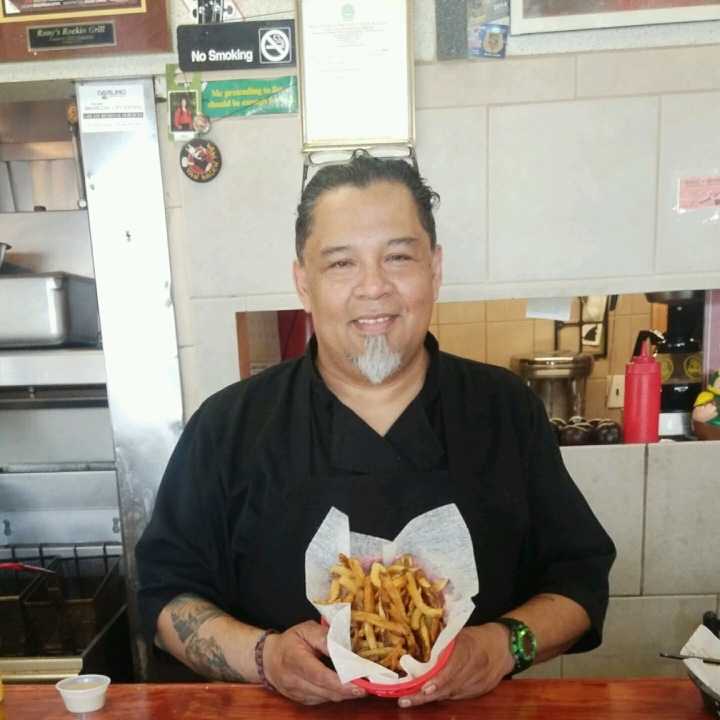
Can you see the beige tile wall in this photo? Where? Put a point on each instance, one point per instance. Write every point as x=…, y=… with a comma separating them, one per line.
x=493, y=331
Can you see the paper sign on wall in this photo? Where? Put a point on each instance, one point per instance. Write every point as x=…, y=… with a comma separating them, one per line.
x=698, y=193
x=113, y=108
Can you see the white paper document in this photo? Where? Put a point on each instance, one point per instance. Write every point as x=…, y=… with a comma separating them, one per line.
x=114, y=108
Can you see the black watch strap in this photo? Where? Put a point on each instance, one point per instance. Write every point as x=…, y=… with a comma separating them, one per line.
x=523, y=645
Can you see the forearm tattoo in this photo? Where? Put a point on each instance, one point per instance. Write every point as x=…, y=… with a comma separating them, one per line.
x=204, y=654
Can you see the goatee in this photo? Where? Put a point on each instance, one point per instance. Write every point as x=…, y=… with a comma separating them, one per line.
x=378, y=361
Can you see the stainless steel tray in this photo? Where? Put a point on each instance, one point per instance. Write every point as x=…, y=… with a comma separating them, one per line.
x=47, y=310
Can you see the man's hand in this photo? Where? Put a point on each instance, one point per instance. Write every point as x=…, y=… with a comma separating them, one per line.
x=292, y=666
x=480, y=660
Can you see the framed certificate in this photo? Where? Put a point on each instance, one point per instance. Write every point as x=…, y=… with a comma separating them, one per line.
x=534, y=16
x=51, y=29
x=356, y=73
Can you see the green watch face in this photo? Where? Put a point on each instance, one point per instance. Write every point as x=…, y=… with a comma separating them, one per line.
x=526, y=643
x=523, y=644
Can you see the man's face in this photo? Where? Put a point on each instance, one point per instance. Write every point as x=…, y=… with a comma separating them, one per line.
x=368, y=270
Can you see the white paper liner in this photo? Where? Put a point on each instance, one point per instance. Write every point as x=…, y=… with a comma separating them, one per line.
x=703, y=642
x=440, y=542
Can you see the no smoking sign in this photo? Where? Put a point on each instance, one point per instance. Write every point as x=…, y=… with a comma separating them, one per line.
x=275, y=45
x=235, y=45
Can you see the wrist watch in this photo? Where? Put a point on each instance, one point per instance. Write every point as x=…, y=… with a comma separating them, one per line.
x=523, y=645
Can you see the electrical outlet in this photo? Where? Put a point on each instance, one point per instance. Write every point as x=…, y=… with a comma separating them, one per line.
x=616, y=391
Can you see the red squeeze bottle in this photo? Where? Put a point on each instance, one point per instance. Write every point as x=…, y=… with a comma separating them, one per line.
x=642, y=398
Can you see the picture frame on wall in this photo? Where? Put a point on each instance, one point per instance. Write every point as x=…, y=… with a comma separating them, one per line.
x=540, y=16
x=356, y=73
x=35, y=30
x=58, y=9
x=183, y=105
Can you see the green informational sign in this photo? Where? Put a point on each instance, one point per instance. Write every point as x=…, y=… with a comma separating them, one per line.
x=221, y=98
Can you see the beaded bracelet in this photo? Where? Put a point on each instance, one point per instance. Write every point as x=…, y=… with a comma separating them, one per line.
x=259, y=661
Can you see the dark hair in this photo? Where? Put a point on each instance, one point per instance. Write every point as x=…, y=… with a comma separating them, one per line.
x=361, y=171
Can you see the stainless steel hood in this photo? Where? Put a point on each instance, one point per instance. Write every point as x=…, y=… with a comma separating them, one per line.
x=39, y=163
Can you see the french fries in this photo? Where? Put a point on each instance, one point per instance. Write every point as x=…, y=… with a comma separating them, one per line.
x=395, y=610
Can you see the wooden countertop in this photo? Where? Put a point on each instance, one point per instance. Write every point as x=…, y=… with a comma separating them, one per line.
x=657, y=699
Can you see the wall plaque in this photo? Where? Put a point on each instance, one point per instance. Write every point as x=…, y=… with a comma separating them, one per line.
x=73, y=35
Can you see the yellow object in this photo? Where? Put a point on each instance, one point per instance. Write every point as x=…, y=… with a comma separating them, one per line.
x=704, y=397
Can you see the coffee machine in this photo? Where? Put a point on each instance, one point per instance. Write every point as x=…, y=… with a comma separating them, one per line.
x=679, y=353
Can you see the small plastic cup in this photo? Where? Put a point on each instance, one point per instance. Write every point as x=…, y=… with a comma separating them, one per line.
x=83, y=693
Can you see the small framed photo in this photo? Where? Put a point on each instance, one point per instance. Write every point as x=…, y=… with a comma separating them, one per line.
x=183, y=105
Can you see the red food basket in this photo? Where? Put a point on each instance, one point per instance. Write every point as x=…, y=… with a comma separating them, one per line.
x=406, y=687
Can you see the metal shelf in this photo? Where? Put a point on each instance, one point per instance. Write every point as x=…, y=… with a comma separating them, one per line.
x=62, y=366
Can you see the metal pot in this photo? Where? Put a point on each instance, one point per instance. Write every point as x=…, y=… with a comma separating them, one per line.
x=558, y=377
x=4, y=247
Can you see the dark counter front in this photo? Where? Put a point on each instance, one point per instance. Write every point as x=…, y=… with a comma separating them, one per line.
x=659, y=699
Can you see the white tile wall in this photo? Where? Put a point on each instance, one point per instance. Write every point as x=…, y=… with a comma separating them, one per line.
x=451, y=144
x=683, y=519
x=462, y=83
x=572, y=189
x=216, y=352
x=648, y=71
x=177, y=238
x=241, y=224
x=687, y=242
x=285, y=301
x=612, y=481
x=254, y=9
x=636, y=630
x=424, y=30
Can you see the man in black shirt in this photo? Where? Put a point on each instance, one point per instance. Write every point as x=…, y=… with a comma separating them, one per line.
x=375, y=421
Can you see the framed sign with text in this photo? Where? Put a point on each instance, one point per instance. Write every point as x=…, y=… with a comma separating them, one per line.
x=356, y=73
x=53, y=29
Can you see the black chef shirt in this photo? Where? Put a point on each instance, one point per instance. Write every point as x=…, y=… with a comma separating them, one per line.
x=261, y=462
